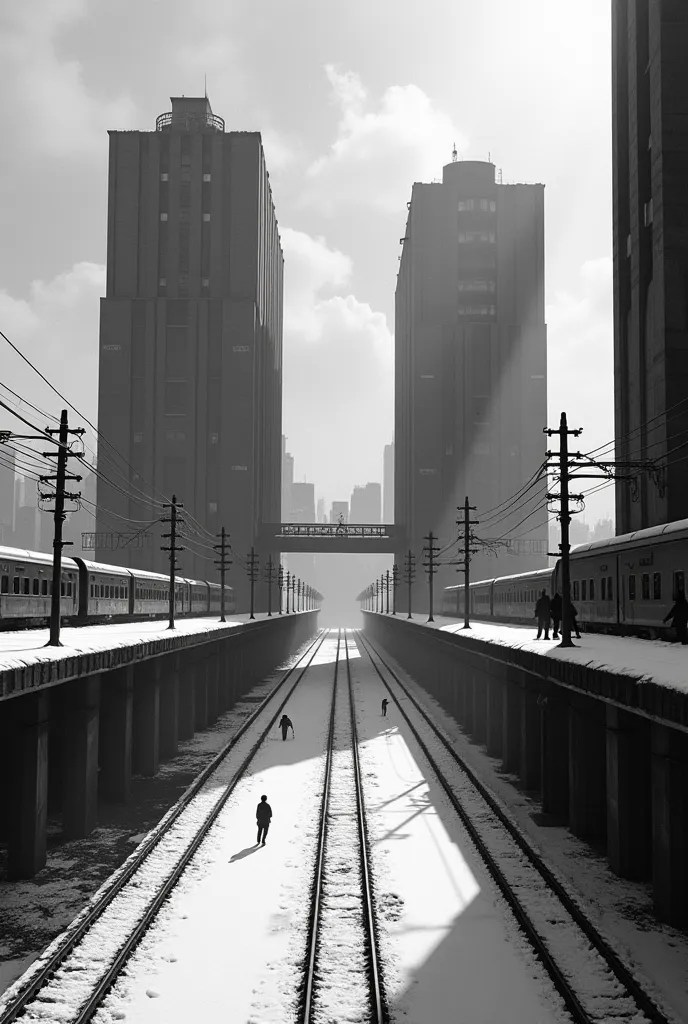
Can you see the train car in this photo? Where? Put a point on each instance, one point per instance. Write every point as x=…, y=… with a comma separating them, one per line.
x=26, y=588
x=215, y=595
x=514, y=597
x=152, y=593
x=105, y=591
x=199, y=597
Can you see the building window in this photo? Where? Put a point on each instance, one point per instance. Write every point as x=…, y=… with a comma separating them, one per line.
x=214, y=438
x=206, y=217
x=657, y=586
x=138, y=437
x=212, y=508
x=163, y=216
x=185, y=174
x=164, y=176
x=162, y=283
x=206, y=177
x=466, y=204
x=205, y=282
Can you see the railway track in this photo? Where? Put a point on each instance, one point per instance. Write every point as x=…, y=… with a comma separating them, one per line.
x=593, y=982
x=72, y=977
x=342, y=977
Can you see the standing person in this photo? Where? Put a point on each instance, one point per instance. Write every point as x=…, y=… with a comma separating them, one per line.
x=573, y=619
x=542, y=614
x=555, y=613
x=263, y=816
x=285, y=723
x=385, y=702
x=679, y=617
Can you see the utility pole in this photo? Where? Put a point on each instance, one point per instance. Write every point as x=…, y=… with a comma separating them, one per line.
x=252, y=571
x=430, y=567
x=410, y=574
x=224, y=563
x=467, y=552
x=295, y=593
x=565, y=518
x=387, y=588
x=395, y=584
x=280, y=585
x=60, y=477
x=269, y=573
x=173, y=548
x=288, y=589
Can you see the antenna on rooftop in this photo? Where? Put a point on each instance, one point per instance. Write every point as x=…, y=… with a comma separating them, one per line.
x=454, y=154
x=205, y=86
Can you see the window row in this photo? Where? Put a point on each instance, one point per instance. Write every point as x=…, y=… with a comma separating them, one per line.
x=477, y=286
x=184, y=217
x=185, y=175
x=109, y=590
x=584, y=590
x=34, y=587
x=184, y=281
x=519, y=597
x=476, y=236
x=648, y=592
x=152, y=594
x=478, y=204
x=476, y=310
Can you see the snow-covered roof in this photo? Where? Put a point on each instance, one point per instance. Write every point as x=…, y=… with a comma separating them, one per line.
x=664, y=532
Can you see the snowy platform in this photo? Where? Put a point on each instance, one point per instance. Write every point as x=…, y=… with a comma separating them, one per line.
x=27, y=664
x=649, y=676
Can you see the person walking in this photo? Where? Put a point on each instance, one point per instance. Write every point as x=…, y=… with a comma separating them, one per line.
x=263, y=816
x=679, y=617
x=385, y=702
x=573, y=619
x=542, y=614
x=555, y=613
x=285, y=723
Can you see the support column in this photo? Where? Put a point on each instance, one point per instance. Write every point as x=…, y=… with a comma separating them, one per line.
x=670, y=824
x=495, y=715
x=555, y=756
x=201, y=689
x=81, y=706
x=479, y=706
x=531, y=752
x=587, y=769
x=511, y=751
x=629, y=804
x=29, y=782
x=168, y=677
x=146, y=719
x=468, y=711
x=222, y=681
x=187, y=697
x=212, y=685
x=115, y=743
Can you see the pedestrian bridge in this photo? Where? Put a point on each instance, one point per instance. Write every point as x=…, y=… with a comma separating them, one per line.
x=321, y=538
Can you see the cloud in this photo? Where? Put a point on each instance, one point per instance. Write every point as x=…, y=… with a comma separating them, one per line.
x=56, y=328
x=50, y=111
x=338, y=371
x=377, y=154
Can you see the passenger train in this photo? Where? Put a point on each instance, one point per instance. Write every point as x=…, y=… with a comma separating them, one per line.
x=91, y=592
x=624, y=585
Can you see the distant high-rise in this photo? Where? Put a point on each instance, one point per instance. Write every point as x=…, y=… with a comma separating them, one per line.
x=650, y=141
x=7, y=488
x=471, y=363
x=320, y=514
x=339, y=508
x=287, y=481
x=191, y=335
x=366, y=504
x=388, y=484
x=303, y=502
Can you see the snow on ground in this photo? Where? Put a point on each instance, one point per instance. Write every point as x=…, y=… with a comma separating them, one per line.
x=229, y=942
x=621, y=910
x=646, y=661
x=451, y=946
x=27, y=646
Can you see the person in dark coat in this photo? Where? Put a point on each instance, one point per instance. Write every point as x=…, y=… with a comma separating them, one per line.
x=555, y=613
x=285, y=723
x=385, y=702
x=573, y=619
x=542, y=614
x=263, y=816
x=679, y=618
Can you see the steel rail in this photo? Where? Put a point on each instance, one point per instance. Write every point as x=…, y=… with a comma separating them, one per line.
x=81, y=924
x=381, y=1015
x=622, y=974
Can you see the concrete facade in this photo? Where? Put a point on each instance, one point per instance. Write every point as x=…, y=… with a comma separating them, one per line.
x=650, y=151
x=366, y=504
x=470, y=362
x=190, y=390
x=388, y=484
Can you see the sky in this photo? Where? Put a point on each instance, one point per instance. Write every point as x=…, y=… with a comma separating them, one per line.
x=355, y=101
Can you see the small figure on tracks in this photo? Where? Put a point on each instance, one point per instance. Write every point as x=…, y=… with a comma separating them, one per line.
x=679, y=618
x=263, y=816
x=385, y=702
x=285, y=724
x=542, y=614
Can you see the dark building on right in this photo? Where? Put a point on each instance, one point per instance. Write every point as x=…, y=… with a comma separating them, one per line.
x=650, y=149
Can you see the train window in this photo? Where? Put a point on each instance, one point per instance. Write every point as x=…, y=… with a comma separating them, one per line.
x=575, y=590
x=656, y=586
x=16, y=585
x=592, y=590
x=610, y=589
x=631, y=587
x=36, y=586
x=69, y=589
x=5, y=585
x=26, y=585
x=62, y=588
x=603, y=589
x=44, y=587
x=584, y=590
x=645, y=586
x=679, y=584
